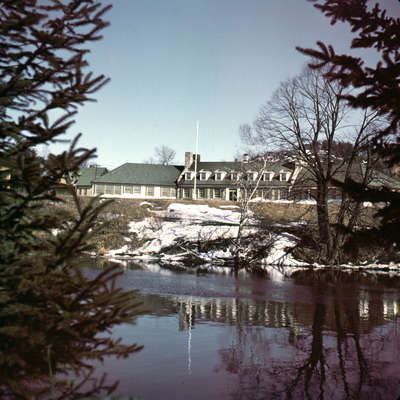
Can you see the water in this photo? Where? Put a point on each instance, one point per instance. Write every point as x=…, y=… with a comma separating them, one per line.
x=325, y=336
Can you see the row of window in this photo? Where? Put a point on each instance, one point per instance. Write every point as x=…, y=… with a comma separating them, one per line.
x=83, y=192
x=207, y=193
x=204, y=193
x=187, y=193
x=250, y=176
x=210, y=193
x=132, y=189
x=117, y=189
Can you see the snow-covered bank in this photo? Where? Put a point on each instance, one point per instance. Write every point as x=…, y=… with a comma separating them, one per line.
x=190, y=231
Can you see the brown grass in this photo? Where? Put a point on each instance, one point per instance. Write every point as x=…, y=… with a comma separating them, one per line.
x=132, y=210
x=294, y=212
x=284, y=212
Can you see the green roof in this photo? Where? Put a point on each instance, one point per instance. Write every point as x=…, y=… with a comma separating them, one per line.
x=377, y=178
x=87, y=175
x=216, y=165
x=142, y=174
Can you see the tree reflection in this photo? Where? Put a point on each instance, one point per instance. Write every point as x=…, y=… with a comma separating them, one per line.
x=315, y=363
x=345, y=348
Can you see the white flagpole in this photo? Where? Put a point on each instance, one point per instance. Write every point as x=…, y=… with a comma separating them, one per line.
x=195, y=162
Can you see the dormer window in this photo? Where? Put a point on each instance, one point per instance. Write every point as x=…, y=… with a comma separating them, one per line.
x=283, y=176
x=251, y=176
x=218, y=176
x=188, y=176
x=234, y=176
x=203, y=176
x=267, y=176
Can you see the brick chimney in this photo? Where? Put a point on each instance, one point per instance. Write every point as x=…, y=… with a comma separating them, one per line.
x=188, y=159
x=198, y=158
x=245, y=158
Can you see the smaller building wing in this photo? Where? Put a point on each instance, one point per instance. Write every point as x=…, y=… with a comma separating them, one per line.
x=88, y=175
x=142, y=174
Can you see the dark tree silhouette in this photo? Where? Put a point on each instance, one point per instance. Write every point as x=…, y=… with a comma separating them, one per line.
x=51, y=314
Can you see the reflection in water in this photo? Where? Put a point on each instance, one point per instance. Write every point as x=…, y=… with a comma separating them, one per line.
x=341, y=353
x=304, y=338
x=369, y=312
x=335, y=349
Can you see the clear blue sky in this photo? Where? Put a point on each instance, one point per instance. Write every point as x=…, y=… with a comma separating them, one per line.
x=173, y=62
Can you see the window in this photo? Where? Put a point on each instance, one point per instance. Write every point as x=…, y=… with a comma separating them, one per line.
x=234, y=176
x=218, y=176
x=188, y=175
x=98, y=189
x=172, y=192
x=164, y=191
x=251, y=176
x=117, y=189
x=186, y=193
x=267, y=194
x=108, y=189
x=136, y=189
x=267, y=176
x=203, y=176
x=202, y=193
x=128, y=189
x=283, y=194
x=283, y=176
x=217, y=193
x=84, y=192
x=150, y=190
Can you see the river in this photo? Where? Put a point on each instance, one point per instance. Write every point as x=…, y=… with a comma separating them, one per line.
x=322, y=335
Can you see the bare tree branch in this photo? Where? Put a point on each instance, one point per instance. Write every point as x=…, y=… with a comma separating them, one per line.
x=164, y=155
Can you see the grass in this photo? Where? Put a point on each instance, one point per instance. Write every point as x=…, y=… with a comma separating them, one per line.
x=283, y=213
x=294, y=212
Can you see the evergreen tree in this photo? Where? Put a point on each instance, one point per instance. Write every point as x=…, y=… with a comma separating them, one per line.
x=51, y=314
x=377, y=88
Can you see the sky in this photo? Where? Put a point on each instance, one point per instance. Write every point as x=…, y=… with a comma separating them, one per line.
x=175, y=62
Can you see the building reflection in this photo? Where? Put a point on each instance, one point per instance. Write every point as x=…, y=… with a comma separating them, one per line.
x=340, y=346
x=368, y=310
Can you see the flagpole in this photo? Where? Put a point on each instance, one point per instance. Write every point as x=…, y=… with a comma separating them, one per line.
x=195, y=162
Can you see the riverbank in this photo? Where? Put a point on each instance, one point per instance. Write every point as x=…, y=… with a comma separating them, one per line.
x=202, y=236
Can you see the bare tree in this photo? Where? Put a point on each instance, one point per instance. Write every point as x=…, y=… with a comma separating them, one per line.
x=246, y=191
x=164, y=155
x=307, y=117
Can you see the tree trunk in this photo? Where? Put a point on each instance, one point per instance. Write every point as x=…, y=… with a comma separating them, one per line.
x=325, y=235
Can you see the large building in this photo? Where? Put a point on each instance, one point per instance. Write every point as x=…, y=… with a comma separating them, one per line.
x=216, y=180
x=222, y=180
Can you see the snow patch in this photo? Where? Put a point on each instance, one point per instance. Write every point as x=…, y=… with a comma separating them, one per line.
x=200, y=223
x=146, y=203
